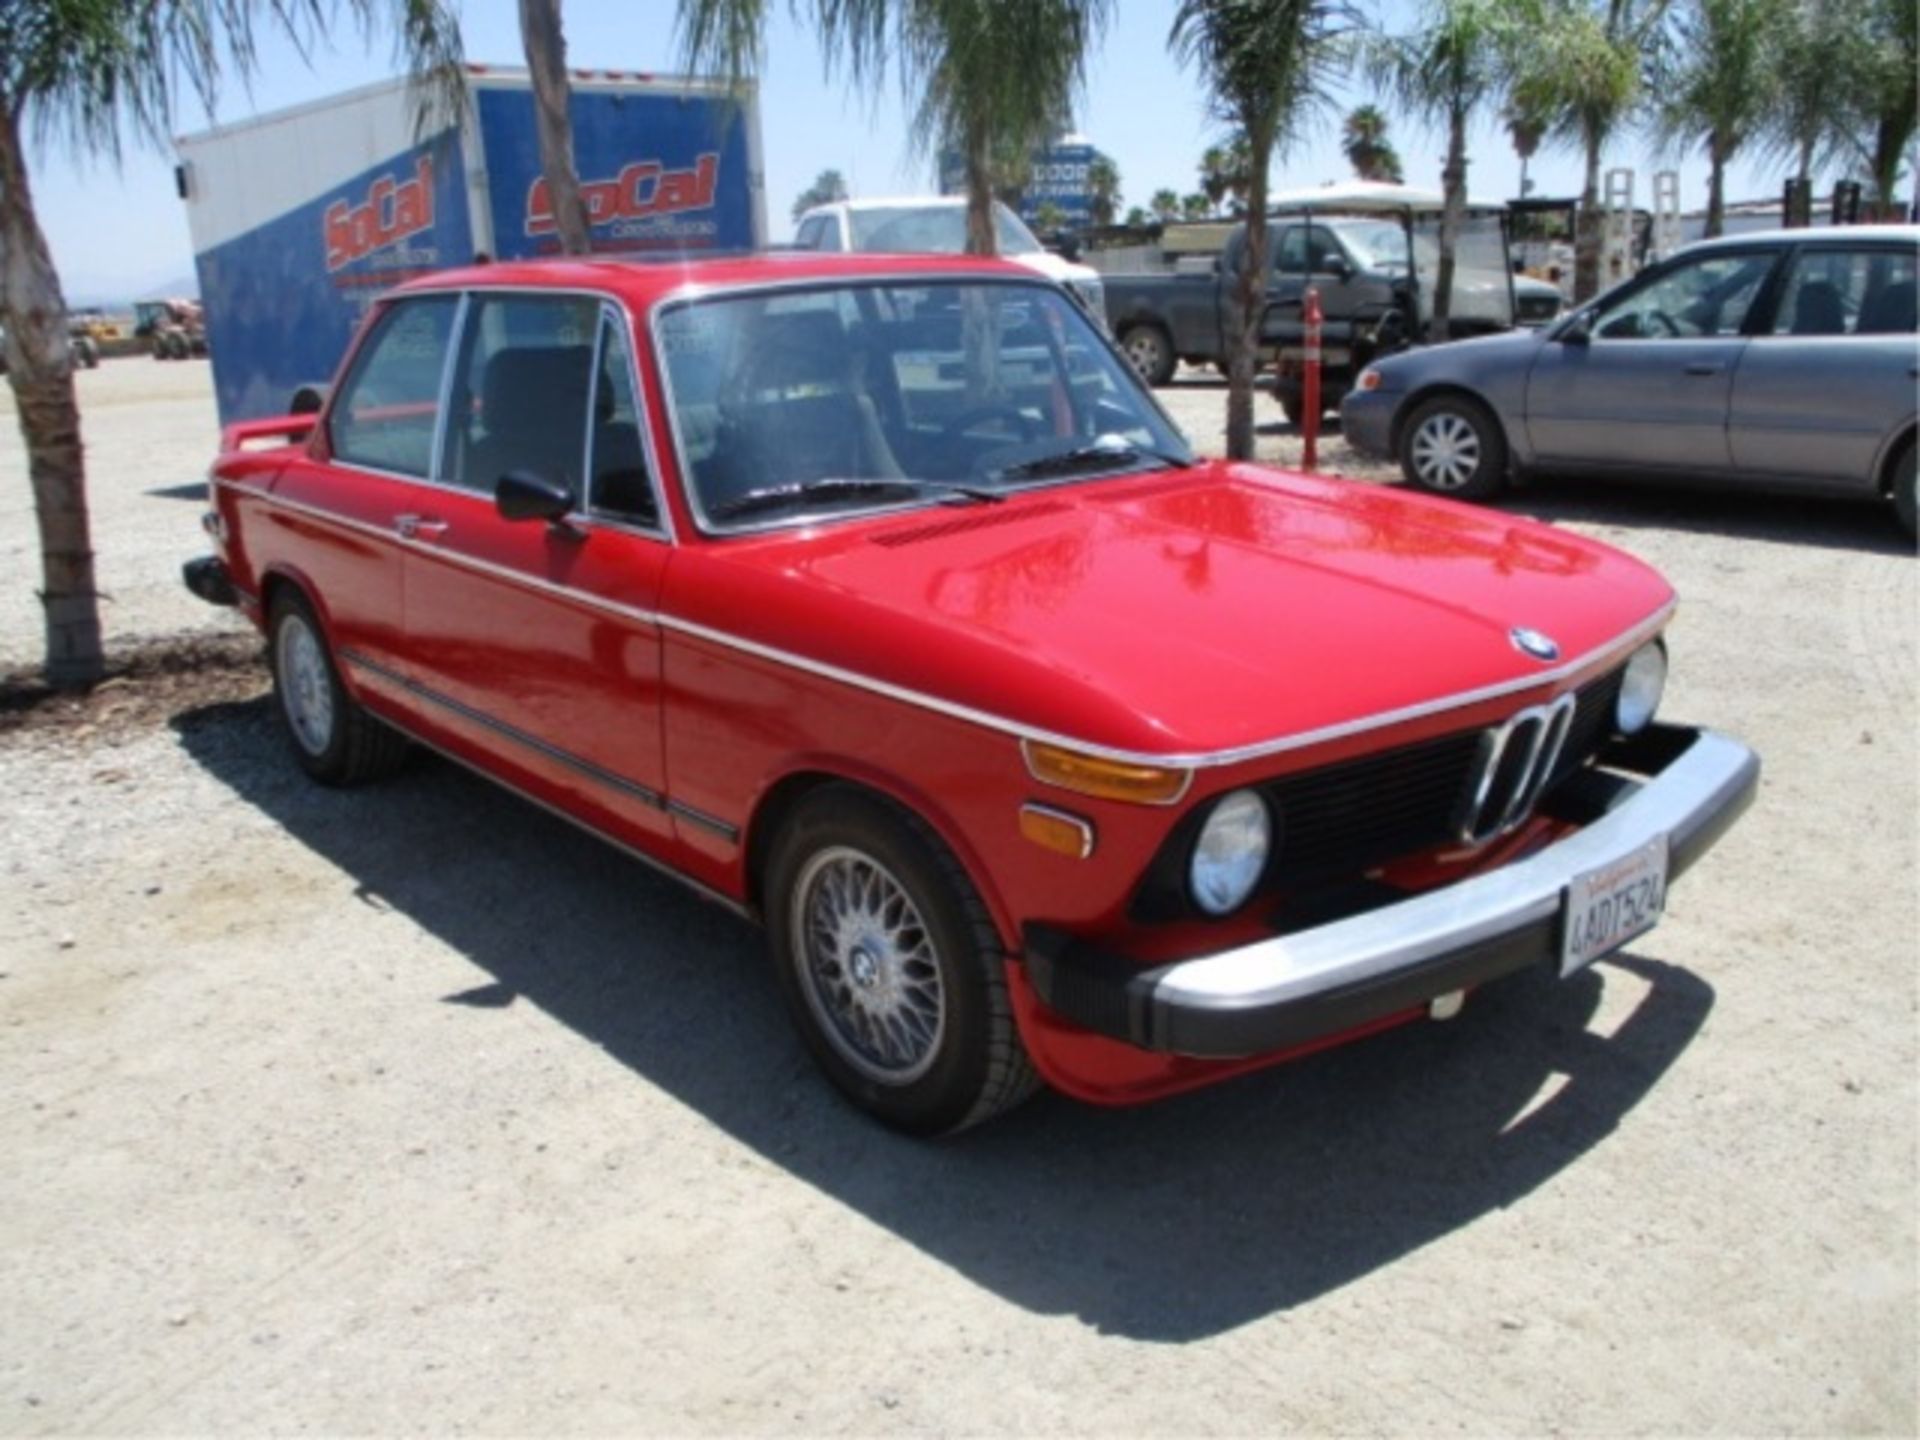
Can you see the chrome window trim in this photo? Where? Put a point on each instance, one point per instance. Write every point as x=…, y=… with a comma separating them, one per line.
x=693, y=292
x=444, y=405
x=586, y=420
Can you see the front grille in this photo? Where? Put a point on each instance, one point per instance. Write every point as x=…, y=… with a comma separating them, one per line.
x=1341, y=820
x=1364, y=812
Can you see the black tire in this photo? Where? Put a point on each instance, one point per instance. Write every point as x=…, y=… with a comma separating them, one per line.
x=1150, y=352
x=973, y=1065
x=1451, y=445
x=1906, y=504
x=350, y=746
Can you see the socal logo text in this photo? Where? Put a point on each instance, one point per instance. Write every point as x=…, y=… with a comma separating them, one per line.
x=393, y=210
x=641, y=189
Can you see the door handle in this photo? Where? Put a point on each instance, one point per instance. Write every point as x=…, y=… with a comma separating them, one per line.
x=419, y=527
x=1705, y=367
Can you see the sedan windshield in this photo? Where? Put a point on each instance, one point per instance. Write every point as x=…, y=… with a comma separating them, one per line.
x=934, y=230
x=811, y=402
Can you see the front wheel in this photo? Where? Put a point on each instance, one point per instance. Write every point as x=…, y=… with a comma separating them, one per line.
x=1452, y=445
x=890, y=966
x=334, y=739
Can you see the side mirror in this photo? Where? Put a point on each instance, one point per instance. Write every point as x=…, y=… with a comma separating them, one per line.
x=1576, y=332
x=523, y=495
x=1340, y=270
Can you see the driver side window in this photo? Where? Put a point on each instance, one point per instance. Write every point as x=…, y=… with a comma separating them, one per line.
x=1697, y=299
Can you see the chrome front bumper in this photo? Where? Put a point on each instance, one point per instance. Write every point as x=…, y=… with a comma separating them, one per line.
x=1686, y=785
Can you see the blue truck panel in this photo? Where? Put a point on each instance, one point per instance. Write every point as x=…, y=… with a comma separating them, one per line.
x=657, y=172
x=283, y=300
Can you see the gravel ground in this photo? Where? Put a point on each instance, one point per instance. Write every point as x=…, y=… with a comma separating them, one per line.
x=411, y=1109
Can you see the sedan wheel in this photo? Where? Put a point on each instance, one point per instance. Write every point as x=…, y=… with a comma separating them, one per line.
x=1452, y=446
x=891, y=968
x=306, y=689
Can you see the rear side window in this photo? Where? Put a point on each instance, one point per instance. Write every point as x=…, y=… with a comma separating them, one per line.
x=1867, y=291
x=386, y=413
x=520, y=389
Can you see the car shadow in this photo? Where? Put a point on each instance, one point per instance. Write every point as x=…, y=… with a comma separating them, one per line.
x=1710, y=509
x=1165, y=1223
x=191, y=490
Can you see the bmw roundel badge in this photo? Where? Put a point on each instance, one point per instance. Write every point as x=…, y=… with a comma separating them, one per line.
x=1532, y=642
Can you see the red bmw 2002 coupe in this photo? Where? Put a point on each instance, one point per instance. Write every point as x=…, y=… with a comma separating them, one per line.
x=876, y=599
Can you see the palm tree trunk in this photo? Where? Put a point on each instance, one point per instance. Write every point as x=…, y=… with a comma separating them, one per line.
x=546, y=47
x=980, y=236
x=1249, y=304
x=1453, y=208
x=40, y=370
x=1587, y=236
x=1716, y=193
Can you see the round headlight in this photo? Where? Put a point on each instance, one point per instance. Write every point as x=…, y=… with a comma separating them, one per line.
x=1231, y=852
x=1641, y=688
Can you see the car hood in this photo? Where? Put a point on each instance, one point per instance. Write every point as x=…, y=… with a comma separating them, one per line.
x=1415, y=365
x=1183, y=613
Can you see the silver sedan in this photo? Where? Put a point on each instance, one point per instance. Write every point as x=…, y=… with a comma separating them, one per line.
x=1786, y=360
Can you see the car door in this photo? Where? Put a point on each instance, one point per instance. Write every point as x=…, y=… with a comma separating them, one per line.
x=1646, y=380
x=338, y=513
x=1830, y=379
x=536, y=642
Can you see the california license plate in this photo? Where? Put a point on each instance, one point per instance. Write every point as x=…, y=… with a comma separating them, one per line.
x=1608, y=906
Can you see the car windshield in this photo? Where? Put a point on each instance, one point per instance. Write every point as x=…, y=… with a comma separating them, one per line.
x=815, y=401
x=934, y=230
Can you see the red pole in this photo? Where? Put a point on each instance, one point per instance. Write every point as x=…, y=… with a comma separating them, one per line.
x=1310, y=381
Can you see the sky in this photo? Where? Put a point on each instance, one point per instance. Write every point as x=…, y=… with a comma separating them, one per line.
x=119, y=232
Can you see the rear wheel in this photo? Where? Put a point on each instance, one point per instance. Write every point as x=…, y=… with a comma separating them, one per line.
x=890, y=966
x=1906, y=504
x=1149, y=352
x=1452, y=445
x=334, y=739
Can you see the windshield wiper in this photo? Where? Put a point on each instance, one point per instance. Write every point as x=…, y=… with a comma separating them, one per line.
x=1102, y=450
x=772, y=497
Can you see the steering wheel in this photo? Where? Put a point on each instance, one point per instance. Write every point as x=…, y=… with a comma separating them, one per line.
x=1024, y=423
x=1660, y=317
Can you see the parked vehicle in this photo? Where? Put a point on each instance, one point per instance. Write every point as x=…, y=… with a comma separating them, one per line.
x=1371, y=251
x=876, y=599
x=174, y=329
x=302, y=217
x=937, y=225
x=1782, y=360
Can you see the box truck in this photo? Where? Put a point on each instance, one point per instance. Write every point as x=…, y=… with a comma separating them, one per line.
x=300, y=218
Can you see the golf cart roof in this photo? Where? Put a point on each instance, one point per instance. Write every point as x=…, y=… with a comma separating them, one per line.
x=1368, y=197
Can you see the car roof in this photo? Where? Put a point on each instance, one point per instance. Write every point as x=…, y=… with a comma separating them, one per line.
x=643, y=281
x=1814, y=234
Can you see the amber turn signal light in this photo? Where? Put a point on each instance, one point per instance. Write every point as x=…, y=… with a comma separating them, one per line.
x=1106, y=779
x=1056, y=830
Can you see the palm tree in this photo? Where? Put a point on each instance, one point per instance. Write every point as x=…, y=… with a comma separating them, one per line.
x=1582, y=64
x=1165, y=205
x=1049, y=218
x=1442, y=73
x=1139, y=219
x=1103, y=189
x=1266, y=63
x=1887, y=105
x=1195, y=207
x=1364, y=138
x=1526, y=130
x=827, y=187
x=1820, y=67
x=1224, y=173
x=90, y=76
x=1723, y=85
x=991, y=80
x=545, y=46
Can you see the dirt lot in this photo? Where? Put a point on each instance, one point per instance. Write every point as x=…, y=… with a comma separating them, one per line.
x=412, y=1109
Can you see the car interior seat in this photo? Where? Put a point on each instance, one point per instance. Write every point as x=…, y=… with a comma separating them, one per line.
x=797, y=412
x=1819, y=310
x=1890, y=312
x=524, y=398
